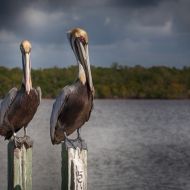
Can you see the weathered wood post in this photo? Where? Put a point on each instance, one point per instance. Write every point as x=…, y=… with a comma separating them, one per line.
x=74, y=168
x=19, y=167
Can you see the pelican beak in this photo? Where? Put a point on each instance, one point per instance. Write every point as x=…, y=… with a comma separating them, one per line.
x=79, y=43
x=26, y=63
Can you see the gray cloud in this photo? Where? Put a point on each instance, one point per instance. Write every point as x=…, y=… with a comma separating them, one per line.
x=135, y=3
x=150, y=32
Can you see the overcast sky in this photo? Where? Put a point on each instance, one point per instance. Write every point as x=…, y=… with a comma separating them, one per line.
x=130, y=32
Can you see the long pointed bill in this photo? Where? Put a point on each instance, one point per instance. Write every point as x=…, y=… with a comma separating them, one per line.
x=26, y=70
x=86, y=64
x=88, y=74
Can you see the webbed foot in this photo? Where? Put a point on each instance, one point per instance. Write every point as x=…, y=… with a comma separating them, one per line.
x=19, y=141
x=74, y=143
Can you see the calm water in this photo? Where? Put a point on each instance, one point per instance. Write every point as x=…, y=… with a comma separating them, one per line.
x=133, y=144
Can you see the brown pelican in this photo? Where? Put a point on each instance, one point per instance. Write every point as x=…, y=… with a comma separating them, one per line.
x=19, y=106
x=73, y=106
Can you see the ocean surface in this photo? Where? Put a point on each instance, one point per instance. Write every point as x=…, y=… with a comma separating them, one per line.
x=132, y=144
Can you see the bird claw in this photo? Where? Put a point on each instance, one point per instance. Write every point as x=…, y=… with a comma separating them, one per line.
x=17, y=141
x=28, y=141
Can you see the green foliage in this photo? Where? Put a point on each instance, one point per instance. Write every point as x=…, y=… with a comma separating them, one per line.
x=114, y=82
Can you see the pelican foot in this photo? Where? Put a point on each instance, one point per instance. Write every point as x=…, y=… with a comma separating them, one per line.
x=19, y=141
x=74, y=143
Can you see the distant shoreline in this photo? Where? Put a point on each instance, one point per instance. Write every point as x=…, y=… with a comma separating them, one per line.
x=115, y=83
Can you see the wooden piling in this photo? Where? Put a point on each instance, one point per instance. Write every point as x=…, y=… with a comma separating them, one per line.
x=74, y=169
x=19, y=167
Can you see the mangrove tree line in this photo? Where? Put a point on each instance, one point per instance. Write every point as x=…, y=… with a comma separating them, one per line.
x=156, y=82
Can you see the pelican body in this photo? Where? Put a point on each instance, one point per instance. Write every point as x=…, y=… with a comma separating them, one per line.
x=19, y=106
x=73, y=106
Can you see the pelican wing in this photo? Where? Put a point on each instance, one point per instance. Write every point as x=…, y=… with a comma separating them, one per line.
x=91, y=109
x=6, y=103
x=58, y=106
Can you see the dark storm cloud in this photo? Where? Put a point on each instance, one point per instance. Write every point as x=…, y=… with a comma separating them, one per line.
x=148, y=32
x=135, y=3
x=16, y=17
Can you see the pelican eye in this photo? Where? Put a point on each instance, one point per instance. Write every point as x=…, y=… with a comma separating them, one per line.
x=82, y=40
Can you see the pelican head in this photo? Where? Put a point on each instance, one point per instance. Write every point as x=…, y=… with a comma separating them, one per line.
x=25, y=48
x=78, y=39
